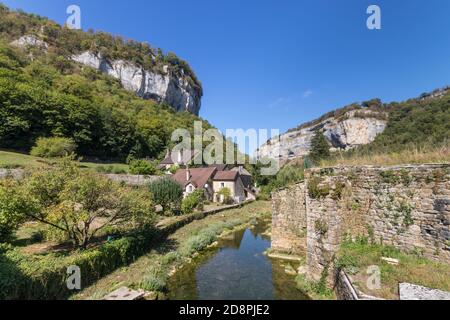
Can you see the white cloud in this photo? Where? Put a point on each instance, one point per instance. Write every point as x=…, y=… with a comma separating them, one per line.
x=280, y=102
x=308, y=93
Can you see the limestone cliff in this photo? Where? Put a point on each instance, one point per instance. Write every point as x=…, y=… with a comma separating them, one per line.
x=346, y=131
x=174, y=90
x=164, y=86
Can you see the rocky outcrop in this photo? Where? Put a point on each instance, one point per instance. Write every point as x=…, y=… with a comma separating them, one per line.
x=30, y=41
x=174, y=90
x=352, y=129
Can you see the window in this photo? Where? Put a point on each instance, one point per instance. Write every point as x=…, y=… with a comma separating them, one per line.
x=190, y=189
x=222, y=185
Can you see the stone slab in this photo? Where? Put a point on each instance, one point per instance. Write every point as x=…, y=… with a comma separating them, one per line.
x=414, y=292
x=125, y=294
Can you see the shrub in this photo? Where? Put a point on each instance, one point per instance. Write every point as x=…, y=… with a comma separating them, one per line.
x=142, y=167
x=53, y=147
x=320, y=148
x=154, y=281
x=12, y=206
x=193, y=201
x=316, y=191
x=226, y=195
x=166, y=193
x=68, y=200
x=44, y=277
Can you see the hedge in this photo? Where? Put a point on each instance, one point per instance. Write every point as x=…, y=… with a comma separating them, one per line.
x=44, y=277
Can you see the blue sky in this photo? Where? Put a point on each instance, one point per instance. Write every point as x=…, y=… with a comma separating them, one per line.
x=276, y=64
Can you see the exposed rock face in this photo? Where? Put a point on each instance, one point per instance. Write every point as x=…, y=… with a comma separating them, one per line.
x=30, y=41
x=354, y=128
x=175, y=91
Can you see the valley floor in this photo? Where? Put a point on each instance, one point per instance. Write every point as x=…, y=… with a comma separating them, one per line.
x=133, y=274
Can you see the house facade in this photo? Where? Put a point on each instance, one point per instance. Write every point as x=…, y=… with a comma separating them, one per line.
x=231, y=180
x=197, y=178
x=213, y=180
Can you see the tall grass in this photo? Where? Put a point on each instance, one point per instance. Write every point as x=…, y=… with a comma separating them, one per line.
x=409, y=155
x=156, y=278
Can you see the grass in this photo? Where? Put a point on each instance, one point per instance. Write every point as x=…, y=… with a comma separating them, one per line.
x=413, y=155
x=317, y=290
x=356, y=257
x=12, y=160
x=151, y=271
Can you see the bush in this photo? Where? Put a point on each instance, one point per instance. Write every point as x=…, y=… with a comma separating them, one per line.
x=226, y=195
x=44, y=277
x=142, y=167
x=320, y=149
x=166, y=193
x=12, y=205
x=193, y=201
x=53, y=147
x=154, y=281
x=67, y=200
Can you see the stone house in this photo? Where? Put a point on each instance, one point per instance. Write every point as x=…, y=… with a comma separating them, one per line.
x=231, y=180
x=213, y=179
x=182, y=157
x=196, y=178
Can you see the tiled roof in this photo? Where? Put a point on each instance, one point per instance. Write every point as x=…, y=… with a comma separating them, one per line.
x=243, y=172
x=198, y=176
x=186, y=157
x=226, y=176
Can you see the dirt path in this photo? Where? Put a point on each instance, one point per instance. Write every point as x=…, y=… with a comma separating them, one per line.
x=132, y=274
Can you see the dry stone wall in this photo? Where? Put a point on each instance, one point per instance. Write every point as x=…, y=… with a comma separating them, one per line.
x=289, y=219
x=404, y=206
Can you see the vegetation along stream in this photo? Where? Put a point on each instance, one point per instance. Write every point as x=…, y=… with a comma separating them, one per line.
x=237, y=269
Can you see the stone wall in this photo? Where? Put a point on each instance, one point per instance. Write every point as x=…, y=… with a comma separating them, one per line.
x=11, y=173
x=404, y=206
x=133, y=180
x=289, y=219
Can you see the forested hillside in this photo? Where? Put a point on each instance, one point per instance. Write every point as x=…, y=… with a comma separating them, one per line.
x=43, y=93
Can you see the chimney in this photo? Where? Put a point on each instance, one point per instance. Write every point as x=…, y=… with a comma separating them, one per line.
x=240, y=169
x=188, y=174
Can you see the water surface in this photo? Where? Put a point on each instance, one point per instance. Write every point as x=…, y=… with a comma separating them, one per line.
x=238, y=270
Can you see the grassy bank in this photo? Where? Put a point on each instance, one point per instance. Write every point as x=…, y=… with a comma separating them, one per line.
x=412, y=155
x=13, y=160
x=356, y=257
x=151, y=271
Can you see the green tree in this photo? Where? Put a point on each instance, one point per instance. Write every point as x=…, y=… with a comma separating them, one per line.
x=78, y=204
x=166, y=193
x=53, y=147
x=320, y=149
x=225, y=193
x=12, y=206
x=193, y=201
x=142, y=167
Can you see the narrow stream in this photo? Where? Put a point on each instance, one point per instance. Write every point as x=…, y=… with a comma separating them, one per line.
x=237, y=270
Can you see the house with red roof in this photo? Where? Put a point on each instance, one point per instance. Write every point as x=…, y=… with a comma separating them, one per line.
x=212, y=180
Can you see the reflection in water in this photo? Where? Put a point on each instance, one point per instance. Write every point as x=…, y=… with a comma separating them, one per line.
x=237, y=271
